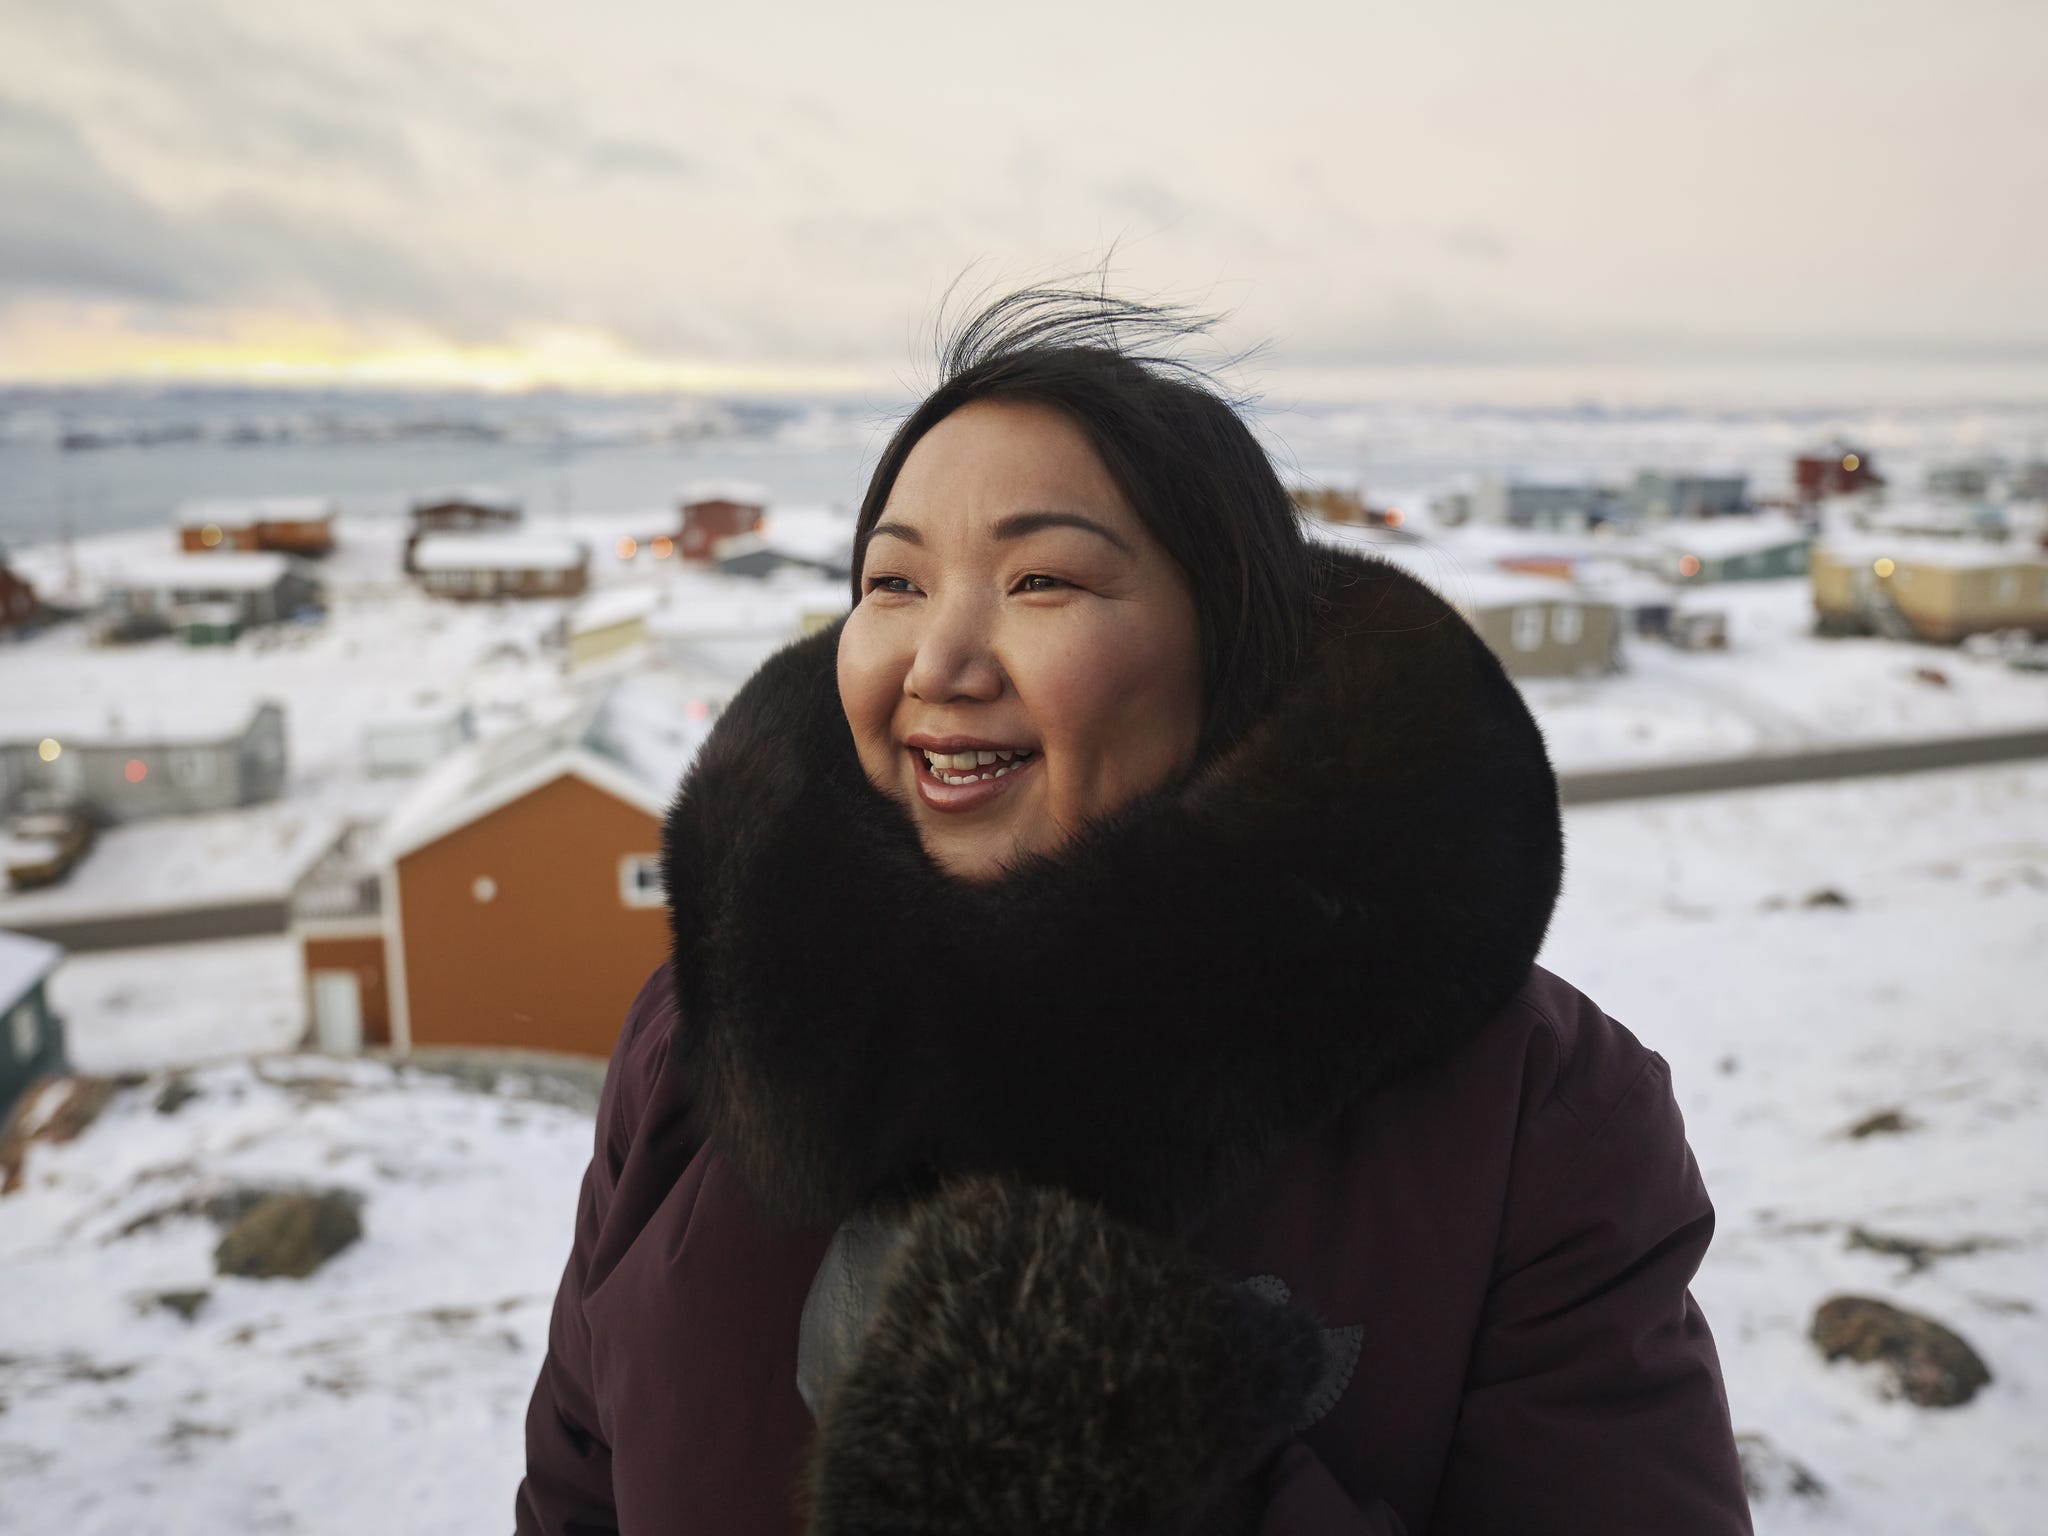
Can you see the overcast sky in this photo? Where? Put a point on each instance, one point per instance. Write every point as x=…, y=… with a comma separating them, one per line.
x=776, y=195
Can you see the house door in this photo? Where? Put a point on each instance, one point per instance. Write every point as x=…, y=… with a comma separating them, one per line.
x=338, y=1012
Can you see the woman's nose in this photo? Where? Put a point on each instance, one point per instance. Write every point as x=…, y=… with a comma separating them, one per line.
x=954, y=659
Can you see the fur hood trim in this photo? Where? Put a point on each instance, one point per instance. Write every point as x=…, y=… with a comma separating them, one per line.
x=1148, y=1015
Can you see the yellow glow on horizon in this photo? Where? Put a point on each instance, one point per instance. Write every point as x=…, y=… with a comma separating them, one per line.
x=97, y=344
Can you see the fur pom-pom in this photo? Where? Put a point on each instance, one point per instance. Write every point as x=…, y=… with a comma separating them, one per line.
x=1039, y=1368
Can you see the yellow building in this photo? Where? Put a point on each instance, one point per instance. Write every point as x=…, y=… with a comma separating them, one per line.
x=1927, y=589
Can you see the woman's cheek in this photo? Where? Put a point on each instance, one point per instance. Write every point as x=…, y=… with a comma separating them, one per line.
x=866, y=693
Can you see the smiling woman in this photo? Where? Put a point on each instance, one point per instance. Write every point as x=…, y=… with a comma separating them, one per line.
x=1102, y=1081
x=1024, y=656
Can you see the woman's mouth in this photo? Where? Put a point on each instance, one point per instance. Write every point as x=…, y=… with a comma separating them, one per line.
x=968, y=779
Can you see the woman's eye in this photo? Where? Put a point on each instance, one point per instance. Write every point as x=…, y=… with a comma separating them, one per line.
x=890, y=584
x=1040, y=584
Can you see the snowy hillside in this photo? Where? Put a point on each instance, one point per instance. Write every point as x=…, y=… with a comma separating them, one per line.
x=1808, y=958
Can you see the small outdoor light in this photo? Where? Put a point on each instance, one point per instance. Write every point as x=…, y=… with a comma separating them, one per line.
x=48, y=748
x=1883, y=565
x=137, y=770
x=628, y=547
x=1851, y=463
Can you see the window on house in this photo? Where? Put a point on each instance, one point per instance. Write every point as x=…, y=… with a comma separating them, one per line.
x=191, y=767
x=22, y=1031
x=2008, y=586
x=1567, y=623
x=640, y=880
x=1528, y=628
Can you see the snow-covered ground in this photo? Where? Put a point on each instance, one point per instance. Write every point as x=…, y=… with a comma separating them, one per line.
x=386, y=1391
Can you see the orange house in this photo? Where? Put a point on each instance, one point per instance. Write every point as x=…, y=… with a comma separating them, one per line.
x=518, y=900
x=293, y=525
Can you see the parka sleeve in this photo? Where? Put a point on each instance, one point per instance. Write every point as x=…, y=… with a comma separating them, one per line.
x=1593, y=1399
x=567, y=1489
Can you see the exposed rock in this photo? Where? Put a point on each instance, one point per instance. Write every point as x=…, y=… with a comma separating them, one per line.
x=1826, y=896
x=222, y=1207
x=1770, y=1476
x=1883, y=1122
x=185, y=1303
x=57, y=1109
x=289, y=1235
x=1930, y=1365
x=1919, y=1253
x=175, y=1094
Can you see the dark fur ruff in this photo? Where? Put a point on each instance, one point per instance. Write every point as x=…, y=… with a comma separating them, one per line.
x=1036, y=1369
x=1146, y=1016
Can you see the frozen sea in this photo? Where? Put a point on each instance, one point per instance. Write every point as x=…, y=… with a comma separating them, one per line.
x=85, y=461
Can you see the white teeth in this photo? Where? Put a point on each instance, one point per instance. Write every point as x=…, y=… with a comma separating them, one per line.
x=943, y=763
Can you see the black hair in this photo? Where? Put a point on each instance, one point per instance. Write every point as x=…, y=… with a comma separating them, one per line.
x=1179, y=452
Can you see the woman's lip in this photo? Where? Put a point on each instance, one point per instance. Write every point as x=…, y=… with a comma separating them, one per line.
x=941, y=796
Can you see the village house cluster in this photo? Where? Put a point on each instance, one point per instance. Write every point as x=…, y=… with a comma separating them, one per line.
x=508, y=892
x=1569, y=569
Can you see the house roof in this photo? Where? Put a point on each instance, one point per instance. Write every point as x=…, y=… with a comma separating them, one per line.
x=614, y=605
x=240, y=512
x=141, y=720
x=820, y=535
x=173, y=863
x=631, y=737
x=24, y=961
x=233, y=570
x=497, y=552
x=493, y=497
x=1717, y=538
x=746, y=493
x=1907, y=549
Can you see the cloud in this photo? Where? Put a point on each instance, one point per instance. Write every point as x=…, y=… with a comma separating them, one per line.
x=70, y=227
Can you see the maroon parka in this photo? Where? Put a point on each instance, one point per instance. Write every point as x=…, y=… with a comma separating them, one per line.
x=1513, y=1232
x=1282, y=1015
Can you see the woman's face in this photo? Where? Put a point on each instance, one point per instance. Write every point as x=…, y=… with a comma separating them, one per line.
x=1024, y=657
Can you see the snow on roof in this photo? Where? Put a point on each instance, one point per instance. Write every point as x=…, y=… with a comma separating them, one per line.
x=1955, y=554
x=614, y=605
x=140, y=719
x=446, y=794
x=161, y=863
x=1716, y=538
x=631, y=735
x=237, y=513
x=747, y=493
x=811, y=533
x=651, y=724
x=233, y=570
x=497, y=552
x=494, y=497
x=715, y=607
x=24, y=961
x=1472, y=586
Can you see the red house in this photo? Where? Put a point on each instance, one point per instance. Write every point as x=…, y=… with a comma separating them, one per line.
x=718, y=509
x=17, y=599
x=1838, y=471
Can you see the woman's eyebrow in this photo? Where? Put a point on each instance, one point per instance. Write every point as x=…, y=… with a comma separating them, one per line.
x=903, y=531
x=1019, y=524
